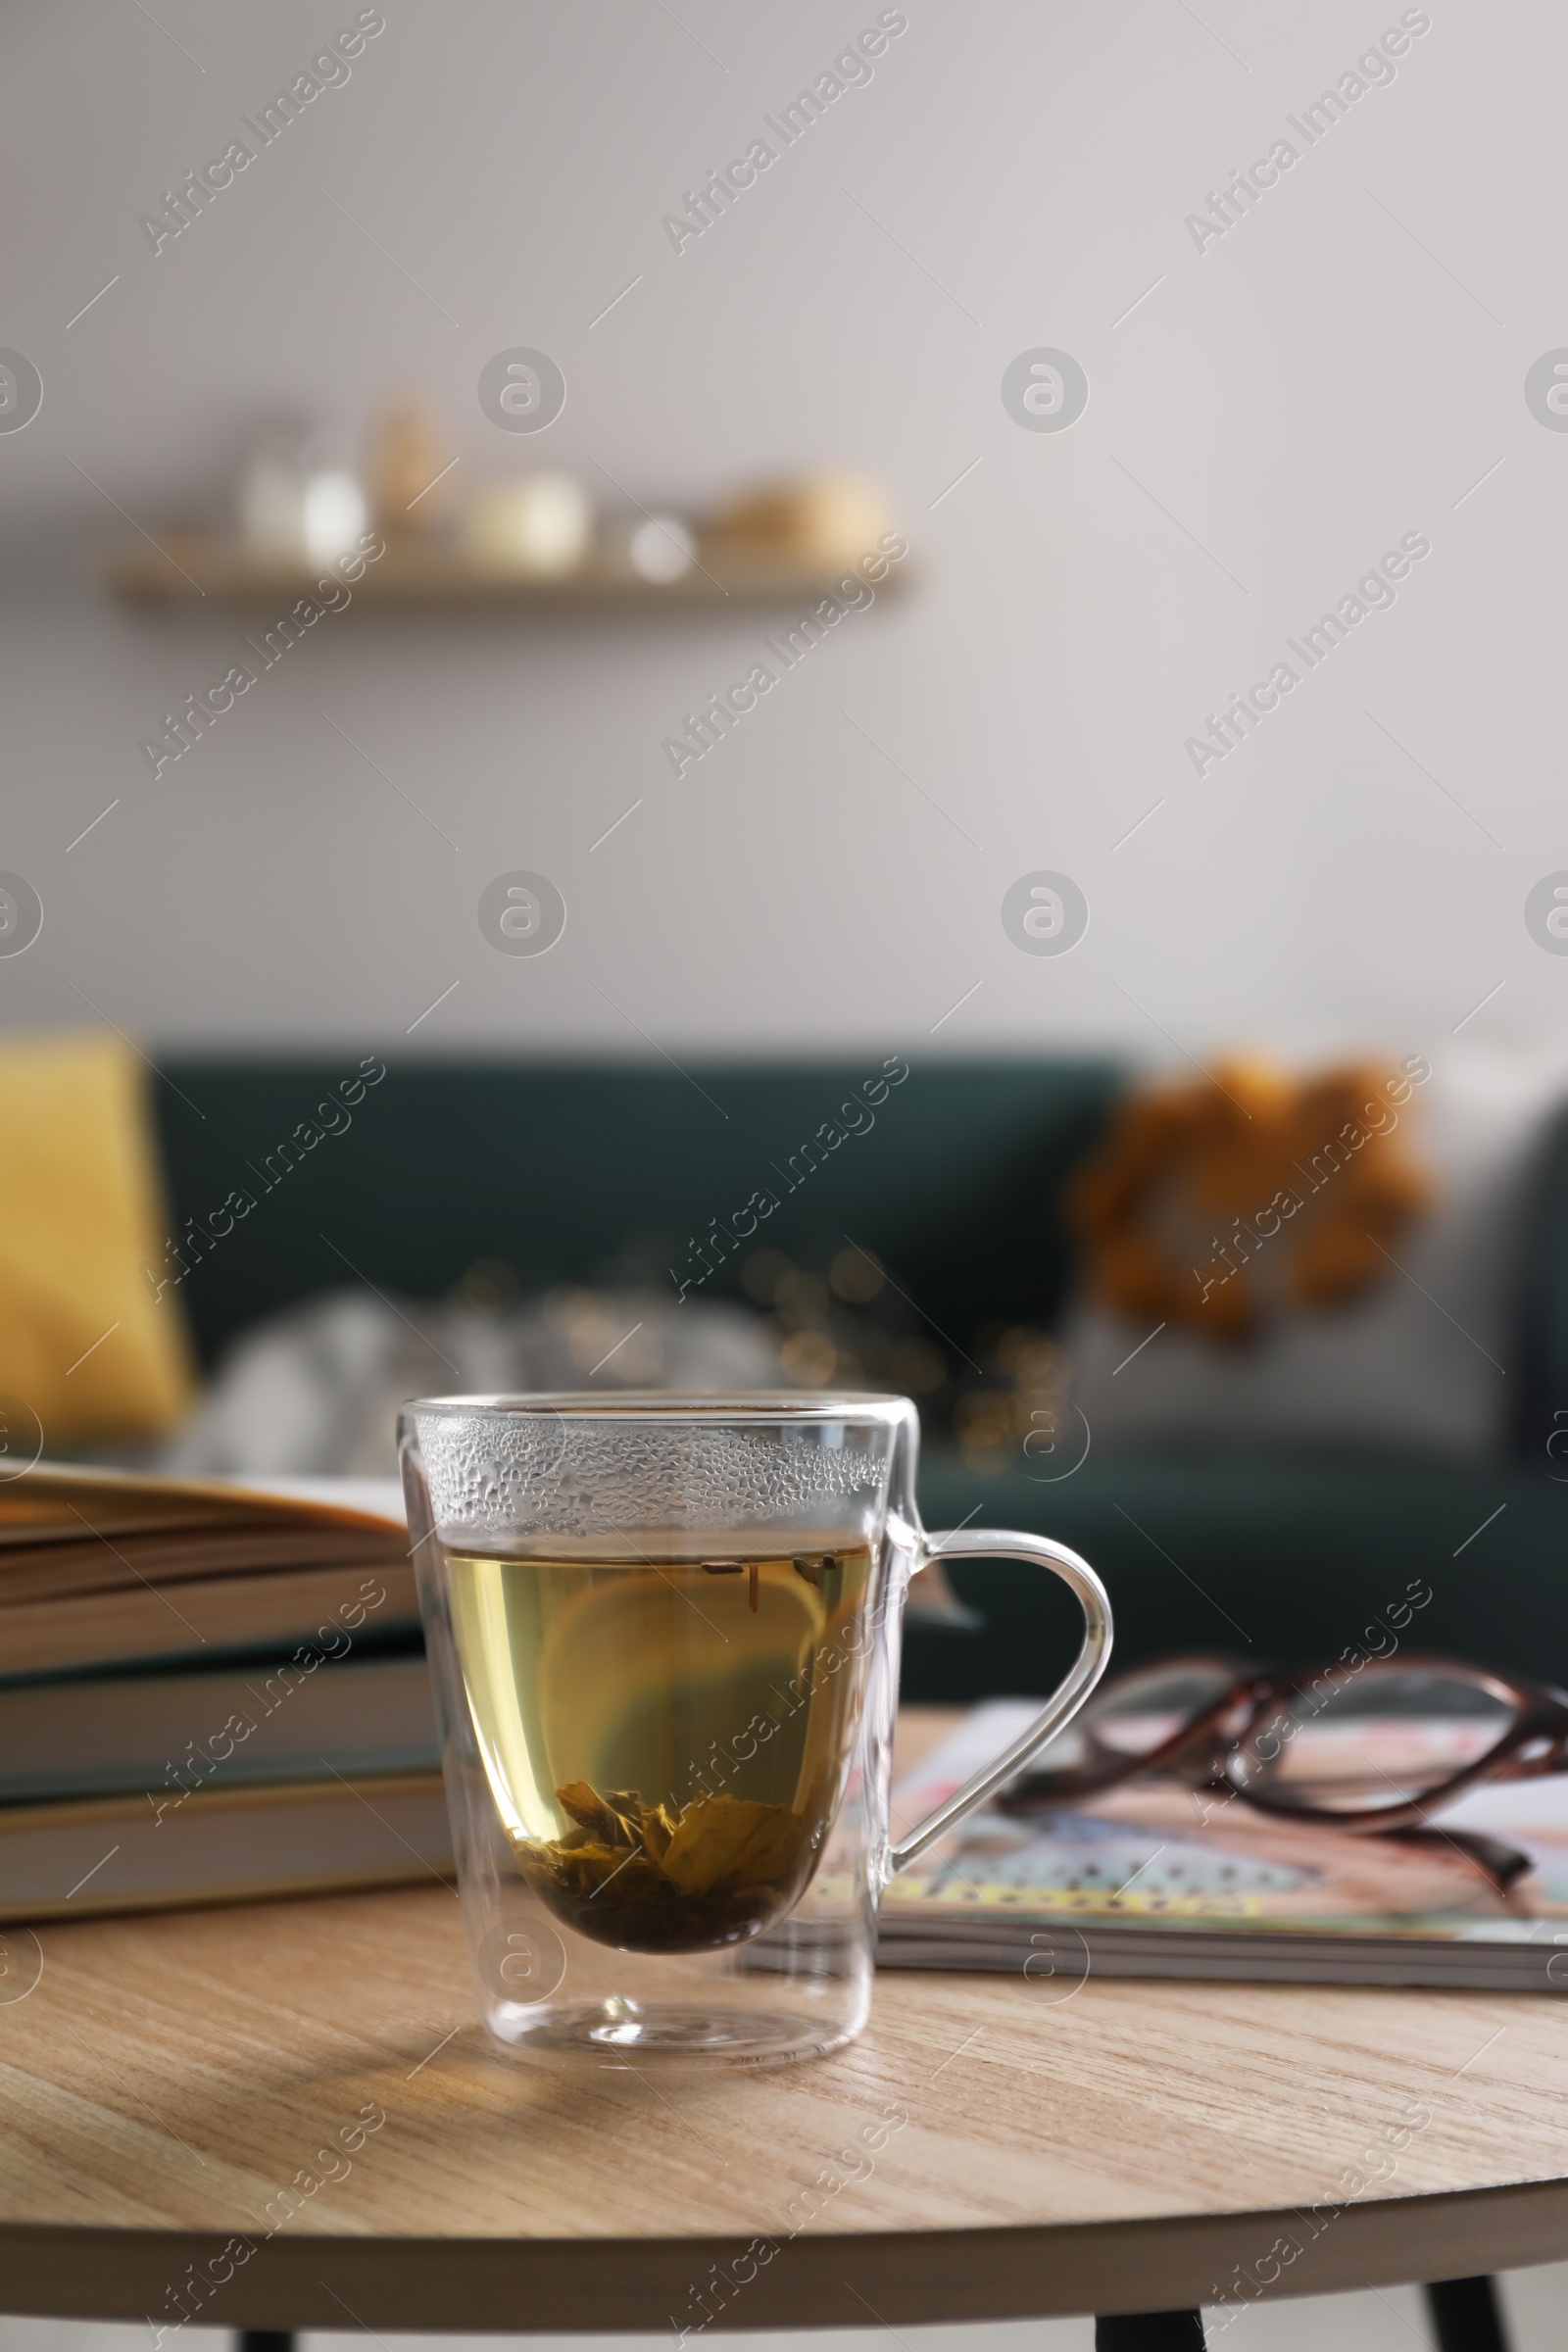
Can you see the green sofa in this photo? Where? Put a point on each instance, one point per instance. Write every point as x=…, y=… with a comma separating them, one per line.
x=953, y=1174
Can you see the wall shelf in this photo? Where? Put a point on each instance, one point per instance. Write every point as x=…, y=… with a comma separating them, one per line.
x=189, y=567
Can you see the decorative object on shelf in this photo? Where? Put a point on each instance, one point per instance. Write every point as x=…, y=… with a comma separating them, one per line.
x=657, y=548
x=1218, y=1205
x=300, y=501
x=270, y=508
x=406, y=467
x=820, y=522
x=540, y=524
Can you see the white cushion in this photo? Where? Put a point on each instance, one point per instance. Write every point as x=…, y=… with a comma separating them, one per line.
x=1427, y=1360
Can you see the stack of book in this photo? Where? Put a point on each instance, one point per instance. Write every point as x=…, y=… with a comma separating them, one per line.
x=208, y=1694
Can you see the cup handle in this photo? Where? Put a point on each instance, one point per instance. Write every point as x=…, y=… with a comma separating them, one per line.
x=1006, y=1544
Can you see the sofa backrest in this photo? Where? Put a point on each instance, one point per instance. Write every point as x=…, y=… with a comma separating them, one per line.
x=1542, y=1308
x=290, y=1177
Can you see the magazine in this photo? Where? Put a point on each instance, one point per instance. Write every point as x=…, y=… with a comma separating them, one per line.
x=1156, y=1879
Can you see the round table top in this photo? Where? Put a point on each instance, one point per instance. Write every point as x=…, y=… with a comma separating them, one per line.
x=987, y=2149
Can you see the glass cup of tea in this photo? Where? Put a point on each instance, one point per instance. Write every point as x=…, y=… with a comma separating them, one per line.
x=663, y=1635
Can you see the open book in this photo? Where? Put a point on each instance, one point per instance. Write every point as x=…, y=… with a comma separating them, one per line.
x=1154, y=1878
x=97, y=1568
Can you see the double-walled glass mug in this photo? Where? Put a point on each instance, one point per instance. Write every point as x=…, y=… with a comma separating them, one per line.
x=663, y=1634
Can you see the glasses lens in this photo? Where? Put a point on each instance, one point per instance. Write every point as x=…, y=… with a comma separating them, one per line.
x=1364, y=1743
x=1140, y=1711
x=1129, y=1719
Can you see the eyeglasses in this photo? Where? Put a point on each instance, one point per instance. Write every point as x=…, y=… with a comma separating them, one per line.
x=1374, y=1749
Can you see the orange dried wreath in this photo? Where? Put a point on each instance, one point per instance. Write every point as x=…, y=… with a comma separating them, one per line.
x=1219, y=1204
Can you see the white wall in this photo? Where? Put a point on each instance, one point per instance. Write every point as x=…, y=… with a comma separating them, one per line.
x=1314, y=384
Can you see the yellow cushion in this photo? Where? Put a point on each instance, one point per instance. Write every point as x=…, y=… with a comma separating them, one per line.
x=84, y=1341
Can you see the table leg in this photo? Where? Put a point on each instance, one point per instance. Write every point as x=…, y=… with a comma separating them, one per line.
x=1466, y=2315
x=1166, y=2331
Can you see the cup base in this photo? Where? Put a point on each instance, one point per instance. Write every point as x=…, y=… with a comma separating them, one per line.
x=630, y=2034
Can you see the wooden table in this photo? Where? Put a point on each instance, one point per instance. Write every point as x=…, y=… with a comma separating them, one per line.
x=988, y=2148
